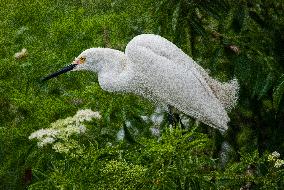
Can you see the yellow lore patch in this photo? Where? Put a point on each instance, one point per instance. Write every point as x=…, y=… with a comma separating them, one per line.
x=82, y=60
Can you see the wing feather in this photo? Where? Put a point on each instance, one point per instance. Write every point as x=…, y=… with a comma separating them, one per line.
x=180, y=86
x=226, y=92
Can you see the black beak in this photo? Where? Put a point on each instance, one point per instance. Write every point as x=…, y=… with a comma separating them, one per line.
x=61, y=71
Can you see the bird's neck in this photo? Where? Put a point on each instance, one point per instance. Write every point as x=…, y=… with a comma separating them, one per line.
x=112, y=71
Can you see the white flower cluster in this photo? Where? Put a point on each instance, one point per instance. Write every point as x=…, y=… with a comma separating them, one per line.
x=62, y=129
x=45, y=136
x=77, y=119
x=87, y=115
x=278, y=163
x=274, y=158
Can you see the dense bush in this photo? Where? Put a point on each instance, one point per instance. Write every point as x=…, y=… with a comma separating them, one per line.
x=120, y=151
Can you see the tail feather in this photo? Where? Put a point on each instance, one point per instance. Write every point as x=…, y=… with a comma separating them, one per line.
x=227, y=93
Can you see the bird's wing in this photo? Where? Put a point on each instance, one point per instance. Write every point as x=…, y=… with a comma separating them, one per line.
x=174, y=84
x=226, y=93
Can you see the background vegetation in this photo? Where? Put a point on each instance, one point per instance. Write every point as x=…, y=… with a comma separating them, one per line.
x=241, y=39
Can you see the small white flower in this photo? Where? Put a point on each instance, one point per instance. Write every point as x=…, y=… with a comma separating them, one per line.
x=60, y=147
x=97, y=115
x=278, y=163
x=45, y=141
x=144, y=118
x=275, y=154
x=70, y=130
x=63, y=122
x=86, y=115
x=43, y=132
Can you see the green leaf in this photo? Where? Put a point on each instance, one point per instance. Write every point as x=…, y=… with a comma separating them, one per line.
x=175, y=19
x=238, y=19
x=278, y=93
x=194, y=183
x=197, y=27
x=266, y=85
x=215, y=57
x=128, y=137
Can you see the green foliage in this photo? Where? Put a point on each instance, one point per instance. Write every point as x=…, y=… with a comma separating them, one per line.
x=253, y=172
x=278, y=93
x=233, y=39
x=177, y=160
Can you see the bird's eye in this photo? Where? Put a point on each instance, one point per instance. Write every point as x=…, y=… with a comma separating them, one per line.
x=82, y=59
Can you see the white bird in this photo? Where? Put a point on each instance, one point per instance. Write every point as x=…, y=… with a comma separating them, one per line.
x=156, y=69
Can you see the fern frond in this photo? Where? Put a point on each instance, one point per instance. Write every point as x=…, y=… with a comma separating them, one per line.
x=278, y=93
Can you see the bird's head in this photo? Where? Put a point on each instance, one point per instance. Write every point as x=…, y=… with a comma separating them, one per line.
x=85, y=61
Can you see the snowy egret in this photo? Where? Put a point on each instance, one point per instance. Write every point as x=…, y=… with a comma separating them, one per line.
x=155, y=68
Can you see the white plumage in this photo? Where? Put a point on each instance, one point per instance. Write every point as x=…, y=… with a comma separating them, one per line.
x=156, y=69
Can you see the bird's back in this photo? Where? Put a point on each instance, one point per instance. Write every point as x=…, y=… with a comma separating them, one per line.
x=178, y=84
